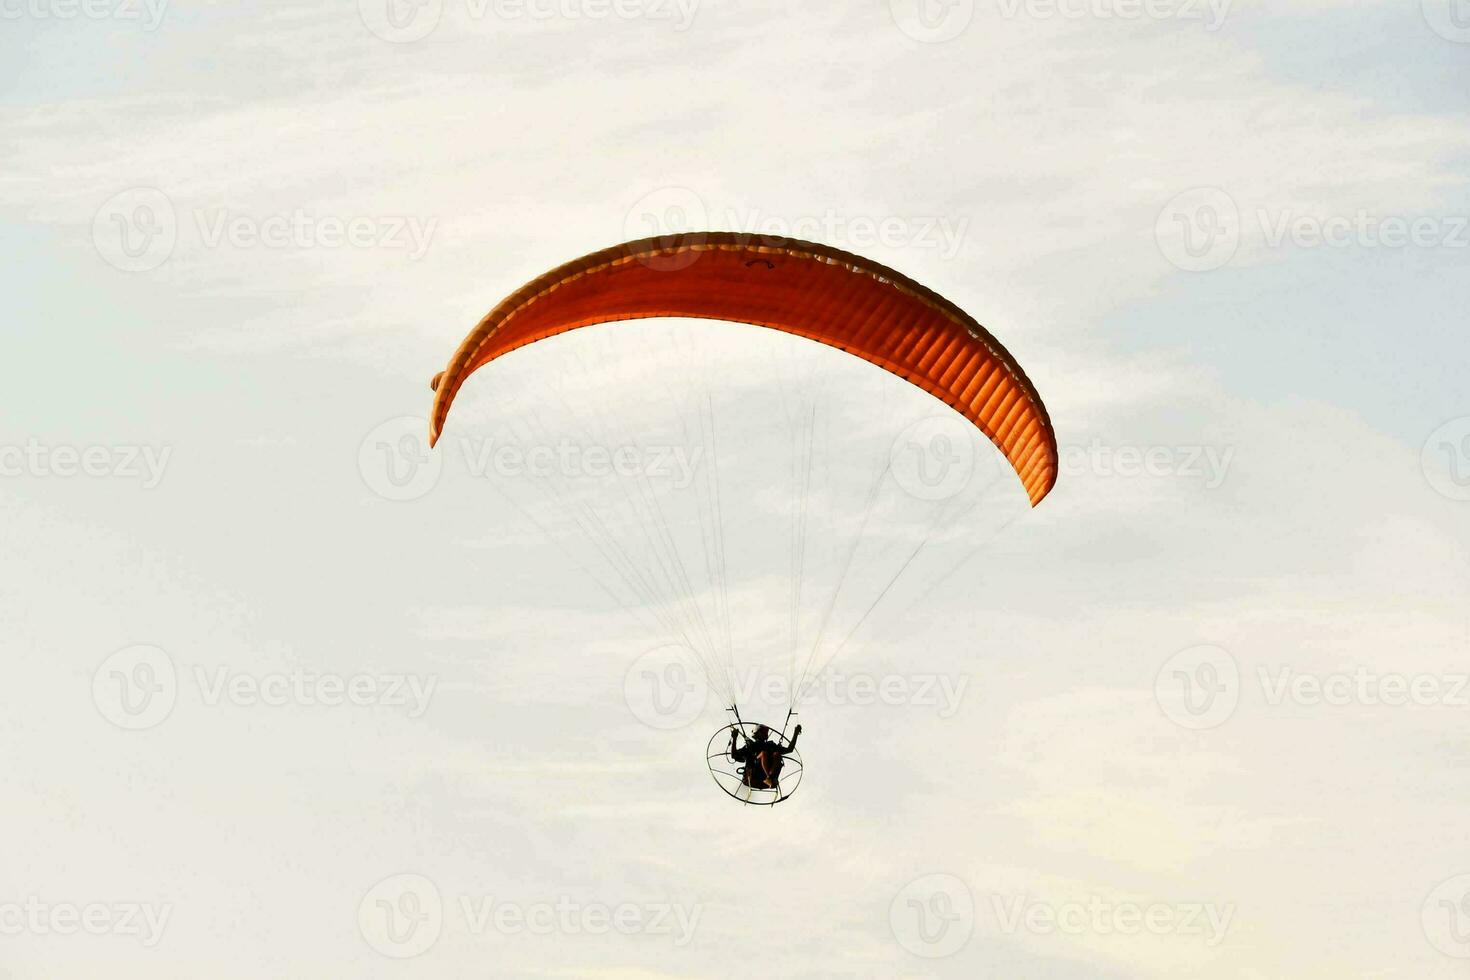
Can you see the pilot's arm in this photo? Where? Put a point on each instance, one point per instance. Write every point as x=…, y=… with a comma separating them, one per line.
x=792, y=747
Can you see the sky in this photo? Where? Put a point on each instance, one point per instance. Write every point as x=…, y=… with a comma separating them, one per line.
x=288, y=695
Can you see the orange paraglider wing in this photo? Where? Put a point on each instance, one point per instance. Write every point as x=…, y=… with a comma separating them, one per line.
x=810, y=290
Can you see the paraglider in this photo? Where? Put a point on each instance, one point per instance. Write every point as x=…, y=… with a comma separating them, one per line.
x=807, y=290
x=751, y=766
x=814, y=291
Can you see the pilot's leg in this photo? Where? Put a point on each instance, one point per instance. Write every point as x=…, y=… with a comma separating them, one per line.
x=770, y=769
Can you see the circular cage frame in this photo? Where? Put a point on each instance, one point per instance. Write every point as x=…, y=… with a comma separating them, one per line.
x=727, y=771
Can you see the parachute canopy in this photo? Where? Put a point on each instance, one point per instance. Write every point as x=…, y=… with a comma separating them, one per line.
x=810, y=290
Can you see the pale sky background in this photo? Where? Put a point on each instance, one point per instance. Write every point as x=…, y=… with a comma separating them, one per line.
x=1126, y=201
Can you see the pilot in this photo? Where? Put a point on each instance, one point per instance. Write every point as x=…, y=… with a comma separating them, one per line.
x=763, y=757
